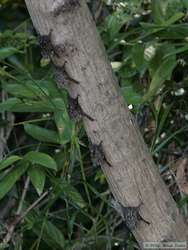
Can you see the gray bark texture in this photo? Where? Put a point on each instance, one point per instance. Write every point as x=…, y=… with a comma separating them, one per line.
x=133, y=177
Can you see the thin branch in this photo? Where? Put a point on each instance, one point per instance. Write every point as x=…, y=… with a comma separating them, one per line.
x=26, y=186
x=18, y=218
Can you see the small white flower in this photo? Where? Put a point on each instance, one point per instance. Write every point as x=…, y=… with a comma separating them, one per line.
x=109, y=2
x=123, y=42
x=163, y=135
x=116, y=244
x=116, y=65
x=121, y=4
x=149, y=52
x=57, y=150
x=46, y=115
x=182, y=62
x=146, y=130
x=136, y=15
x=186, y=117
x=172, y=122
x=146, y=12
x=179, y=92
x=130, y=106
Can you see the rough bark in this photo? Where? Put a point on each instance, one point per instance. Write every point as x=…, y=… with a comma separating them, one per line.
x=133, y=177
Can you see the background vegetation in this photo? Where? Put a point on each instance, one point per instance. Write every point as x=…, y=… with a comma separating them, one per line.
x=45, y=155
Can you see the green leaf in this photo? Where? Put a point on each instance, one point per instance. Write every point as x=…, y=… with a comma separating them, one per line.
x=9, y=180
x=68, y=190
x=17, y=63
x=115, y=21
x=163, y=73
x=138, y=56
x=162, y=120
x=160, y=68
x=174, y=18
x=131, y=92
x=38, y=178
x=53, y=234
x=174, y=32
x=18, y=105
x=64, y=126
x=60, y=123
x=42, y=159
x=31, y=88
x=9, y=104
x=177, y=51
x=42, y=134
x=167, y=139
x=160, y=53
x=19, y=90
x=9, y=161
x=185, y=2
x=8, y=51
x=130, y=95
x=159, y=10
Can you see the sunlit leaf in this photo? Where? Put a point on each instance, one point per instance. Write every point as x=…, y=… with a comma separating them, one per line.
x=163, y=73
x=37, y=177
x=42, y=159
x=23, y=105
x=9, y=161
x=9, y=180
x=68, y=190
x=64, y=126
x=174, y=18
x=160, y=68
x=138, y=56
x=53, y=234
x=42, y=134
x=159, y=10
x=6, y=52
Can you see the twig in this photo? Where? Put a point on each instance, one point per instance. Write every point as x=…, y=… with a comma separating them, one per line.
x=34, y=204
x=26, y=186
x=19, y=218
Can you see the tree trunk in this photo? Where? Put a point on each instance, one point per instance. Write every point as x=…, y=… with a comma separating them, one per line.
x=133, y=177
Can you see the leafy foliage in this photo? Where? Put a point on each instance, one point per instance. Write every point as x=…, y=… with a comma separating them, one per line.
x=47, y=154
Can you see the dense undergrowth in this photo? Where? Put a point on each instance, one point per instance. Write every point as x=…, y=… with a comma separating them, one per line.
x=44, y=154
